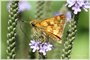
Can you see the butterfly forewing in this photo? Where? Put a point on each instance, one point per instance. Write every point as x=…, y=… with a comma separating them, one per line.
x=52, y=26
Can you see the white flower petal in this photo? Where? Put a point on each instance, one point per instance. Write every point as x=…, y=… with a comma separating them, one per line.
x=33, y=50
x=44, y=53
x=75, y=12
x=85, y=9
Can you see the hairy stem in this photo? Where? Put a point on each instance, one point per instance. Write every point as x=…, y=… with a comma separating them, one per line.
x=11, y=35
x=68, y=44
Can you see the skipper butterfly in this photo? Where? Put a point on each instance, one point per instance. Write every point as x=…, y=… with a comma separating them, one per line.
x=53, y=27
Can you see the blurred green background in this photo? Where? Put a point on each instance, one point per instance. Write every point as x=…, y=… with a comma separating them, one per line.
x=81, y=44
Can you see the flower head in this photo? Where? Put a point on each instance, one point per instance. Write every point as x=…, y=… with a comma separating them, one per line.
x=23, y=5
x=41, y=47
x=34, y=45
x=77, y=5
x=44, y=47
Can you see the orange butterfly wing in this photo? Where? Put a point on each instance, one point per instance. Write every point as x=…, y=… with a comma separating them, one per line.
x=52, y=26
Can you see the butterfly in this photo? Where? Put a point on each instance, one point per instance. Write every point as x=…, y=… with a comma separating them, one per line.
x=53, y=27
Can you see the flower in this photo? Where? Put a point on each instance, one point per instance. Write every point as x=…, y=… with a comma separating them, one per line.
x=34, y=45
x=76, y=9
x=48, y=46
x=68, y=16
x=41, y=47
x=45, y=47
x=77, y=5
x=23, y=5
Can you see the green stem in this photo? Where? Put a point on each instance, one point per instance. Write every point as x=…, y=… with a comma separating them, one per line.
x=39, y=16
x=39, y=10
x=68, y=44
x=11, y=35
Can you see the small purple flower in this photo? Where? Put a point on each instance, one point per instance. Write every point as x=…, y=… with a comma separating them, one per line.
x=45, y=47
x=70, y=3
x=76, y=9
x=34, y=45
x=41, y=47
x=68, y=16
x=48, y=46
x=23, y=5
x=77, y=5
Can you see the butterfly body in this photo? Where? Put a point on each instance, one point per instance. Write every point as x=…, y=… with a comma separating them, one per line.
x=51, y=26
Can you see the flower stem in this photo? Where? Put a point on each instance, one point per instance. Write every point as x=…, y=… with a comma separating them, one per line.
x=40, y=15
x=39, y=10
x=11, y=35
x=42, y=56
x=68, y=44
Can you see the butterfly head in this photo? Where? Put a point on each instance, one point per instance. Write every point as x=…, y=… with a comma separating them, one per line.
x=34, y=22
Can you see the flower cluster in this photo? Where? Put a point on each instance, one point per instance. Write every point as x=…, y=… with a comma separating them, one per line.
x=77, y=5
x=41, y=47
x=23, y=5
